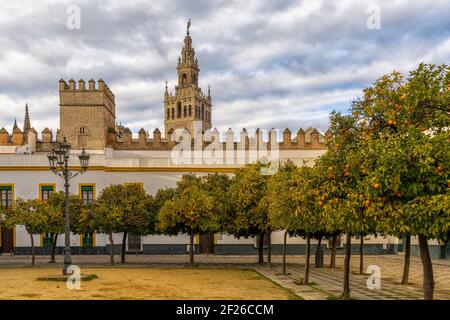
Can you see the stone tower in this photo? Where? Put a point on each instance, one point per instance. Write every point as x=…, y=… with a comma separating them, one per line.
x=189, y=103
x=86, y=114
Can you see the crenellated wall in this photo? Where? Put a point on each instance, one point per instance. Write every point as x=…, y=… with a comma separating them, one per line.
x=310, y=139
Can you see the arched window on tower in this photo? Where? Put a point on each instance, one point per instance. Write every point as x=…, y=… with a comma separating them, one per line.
x=184, y=79
x=190, y=111
x=194, y=79
x=178, y=110
x=168, y=114
x=173, y=113
x=202, y=113
x=184, y=111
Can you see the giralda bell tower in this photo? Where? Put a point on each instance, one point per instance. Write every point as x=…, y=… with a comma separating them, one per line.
x=189, y=103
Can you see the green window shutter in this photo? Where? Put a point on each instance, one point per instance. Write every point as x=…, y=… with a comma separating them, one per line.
x=47, y=188
x=6, y=196
x=88, y=239
x=87, y=189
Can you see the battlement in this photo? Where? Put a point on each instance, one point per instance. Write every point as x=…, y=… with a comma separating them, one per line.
x=310, y=139
x=121, y=138
x=72, y=87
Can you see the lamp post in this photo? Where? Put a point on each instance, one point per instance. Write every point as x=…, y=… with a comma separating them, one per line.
x=59, y=164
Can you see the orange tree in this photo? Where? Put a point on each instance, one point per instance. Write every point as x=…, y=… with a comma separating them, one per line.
x=137, y=214
x=249, y=210
x=55, y=214
x=32, y=214
x=281, y=208
x=405, y=151
x=161, y=196
x=342, y=205
x=104, y=215
x=120, y=208
x=189, y=211
x=217, y=185
x=307, y=206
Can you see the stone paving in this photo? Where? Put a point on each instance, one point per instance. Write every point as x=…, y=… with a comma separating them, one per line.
x=326, y=282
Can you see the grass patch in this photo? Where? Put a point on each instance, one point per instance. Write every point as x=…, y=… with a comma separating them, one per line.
x=89, y=277
x=144, y=283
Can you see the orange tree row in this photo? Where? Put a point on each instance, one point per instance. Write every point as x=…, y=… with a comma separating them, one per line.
x=388, y=162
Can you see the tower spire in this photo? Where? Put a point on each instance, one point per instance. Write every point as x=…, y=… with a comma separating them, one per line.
x=188, y=69
x=15, y=124
x=26, y=122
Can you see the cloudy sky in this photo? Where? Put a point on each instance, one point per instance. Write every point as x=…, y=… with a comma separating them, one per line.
x=270, y=64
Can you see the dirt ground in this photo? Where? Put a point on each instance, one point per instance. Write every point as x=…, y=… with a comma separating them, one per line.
x=142, y=283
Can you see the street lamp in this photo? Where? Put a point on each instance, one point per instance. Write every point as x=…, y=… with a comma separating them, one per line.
x=58, y=160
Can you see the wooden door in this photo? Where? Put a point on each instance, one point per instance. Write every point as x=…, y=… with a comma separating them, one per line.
x=7, y=237
x=206, y=243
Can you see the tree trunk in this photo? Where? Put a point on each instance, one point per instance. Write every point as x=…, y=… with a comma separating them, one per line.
x=284, y=251
x=428, y=278
x=269, y=249
x=361, y=255
x=348, y=253
x=318, y=256
x=261, y=248
x=333, y=251
x=191, y=247
x=55, y=239
x=405, y=277
x=111, y=248
x=308, y=254
x=124, y=247
x=33, y=251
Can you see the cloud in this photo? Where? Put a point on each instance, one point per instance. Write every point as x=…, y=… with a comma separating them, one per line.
x=270, y=64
